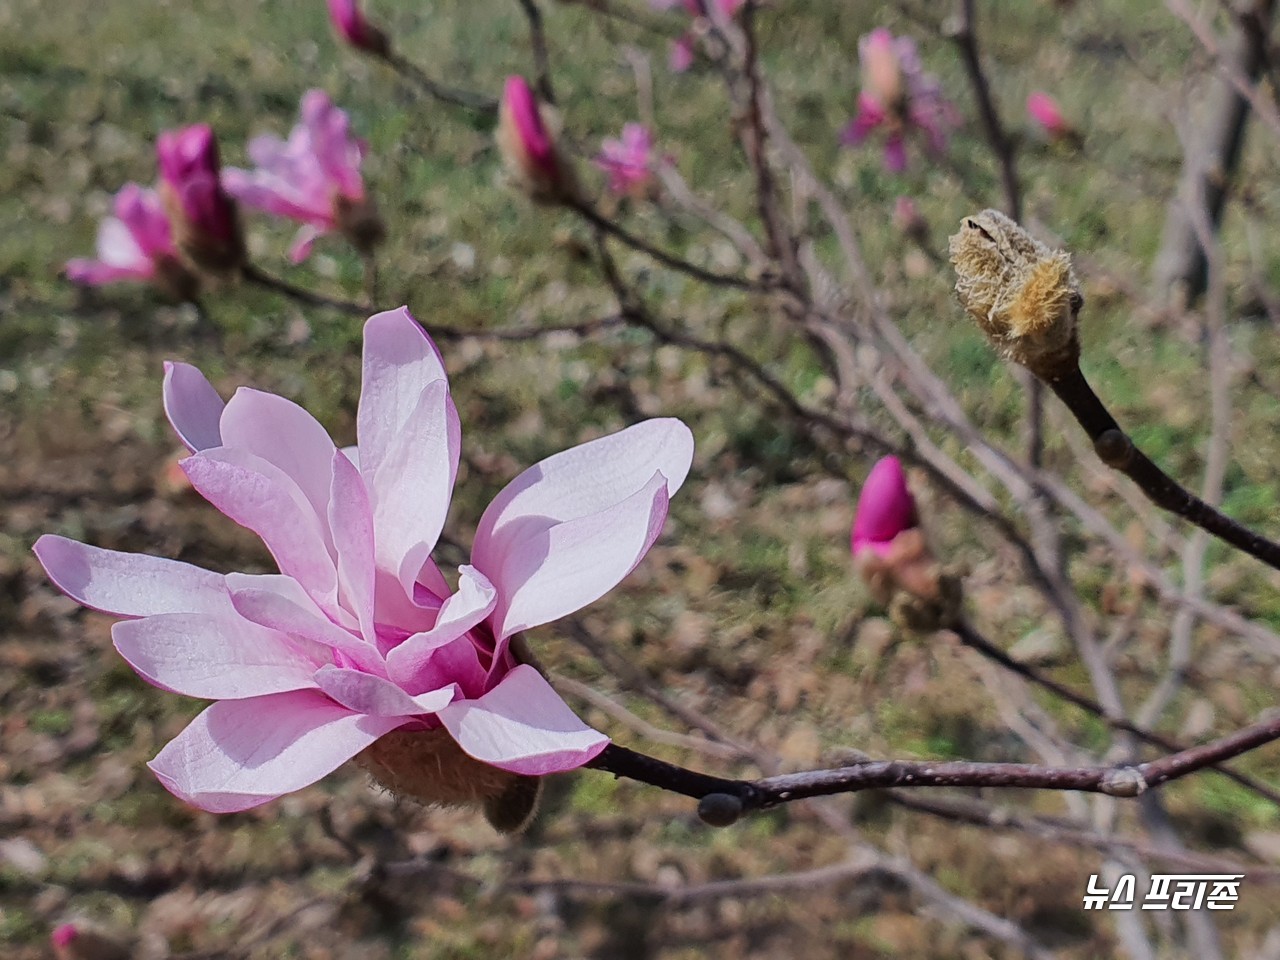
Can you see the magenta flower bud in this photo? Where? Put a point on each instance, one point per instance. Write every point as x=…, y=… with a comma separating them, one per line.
x=73, y=942
x=202, y=215
x=885, y=508
x=1047, y=115
x=63, y=934
x=350, y=24
x=528, y=146
x=889, y=548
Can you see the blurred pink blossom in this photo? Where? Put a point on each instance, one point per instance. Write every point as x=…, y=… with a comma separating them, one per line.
x=360, y=634
x=682, y=48
x=899, y=98
x=908, y=219
x=135, y=244
x=527, y=145
x=351, y=25
x=202, y=216
x=629, y=161
x=1045, y=112
x=73, y=941
x=313, y=177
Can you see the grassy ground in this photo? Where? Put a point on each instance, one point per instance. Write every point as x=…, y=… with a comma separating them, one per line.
x=747, y=609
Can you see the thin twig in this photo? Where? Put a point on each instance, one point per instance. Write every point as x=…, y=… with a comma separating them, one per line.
x=972, y=638
x=541, y=59
x=252, y=274
x=480, y=103
x=723, y=800
x=1117, y=450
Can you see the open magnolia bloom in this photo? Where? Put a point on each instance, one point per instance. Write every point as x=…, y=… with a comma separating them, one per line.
x=360, y=645
x=313, y=177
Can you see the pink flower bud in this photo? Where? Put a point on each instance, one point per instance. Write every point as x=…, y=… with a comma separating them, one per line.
x=881, y=69
x=889, y=548
x=203, y=217
x=528, y=147
x=350, y=24
x=1044, y=110
x=885, y=508
x=73, y=942
x=63, y=935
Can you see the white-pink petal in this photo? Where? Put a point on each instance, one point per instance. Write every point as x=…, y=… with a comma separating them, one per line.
x=240, y=754
x=192, y=406
x=411, y=487
x=213, y=657
x=523, y=726
x=260, y=496
x=286, y=436
x=461, y=612
x=351, y=525
x=130, y=584
x=548, y=572
x=280, y=604
x=581, y=481
x=365, y=693
x=399, y=361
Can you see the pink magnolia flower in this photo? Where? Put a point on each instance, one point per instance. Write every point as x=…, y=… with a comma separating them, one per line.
x=1045, y=112
x=351, y=25
x=889, y=549
x=682, y=48
x=900, y=98
x=528, y=146
x=313, y=177
x=135, y=244
x=203, y=217
x=360, y=638
x=628, y=161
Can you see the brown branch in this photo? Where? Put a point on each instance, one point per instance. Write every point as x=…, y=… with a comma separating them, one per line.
x=971, y=638
x=722, y=801
x=1117, y=450
x=252, y=274
x=620, y=233
x=480, y=103
x=541, y=60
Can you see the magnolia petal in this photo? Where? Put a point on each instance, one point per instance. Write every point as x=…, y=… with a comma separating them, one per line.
x=399, y=361
x=260, y=496
x=240, y=754
x=559, y=569
x=523, y=726
x=286, y=436
x=582, y=481
x=117, y=246
x=413, y=485
x=351, y=522
x=365, y=693
x=130, y=584
x=192, y=406
x=280, y=604
x=473, y=602
x=214, y=657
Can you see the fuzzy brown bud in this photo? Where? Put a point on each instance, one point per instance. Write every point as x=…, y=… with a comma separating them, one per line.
x=428, y=766
x=1024, y=296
